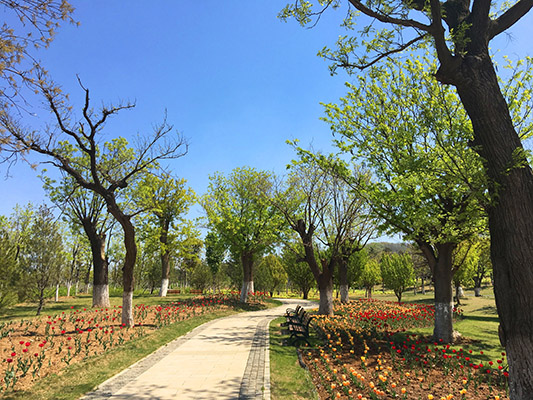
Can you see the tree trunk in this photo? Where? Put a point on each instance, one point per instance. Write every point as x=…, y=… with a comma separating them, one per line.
x=345, y=293
x=325, y=287
x=510, y=215
x=100, y=264
x=69, y=286
x=129, y=261
x=442, y=273
x=398, y=296
x=423, y=288
x=305, y=294
x=87, y=278
x=247, y=261
x=477, y=291
x=164, y=287
x=41, y=302
x=101, y=296
x=165, y=256
x=458, y=295
x=343, y=281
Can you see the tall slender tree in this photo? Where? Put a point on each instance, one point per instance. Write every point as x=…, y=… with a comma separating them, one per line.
x=166, y=199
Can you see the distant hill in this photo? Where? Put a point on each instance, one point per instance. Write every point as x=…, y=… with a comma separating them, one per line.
x=377, y=248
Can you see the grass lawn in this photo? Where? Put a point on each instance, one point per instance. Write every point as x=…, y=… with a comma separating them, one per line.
x=287, y=379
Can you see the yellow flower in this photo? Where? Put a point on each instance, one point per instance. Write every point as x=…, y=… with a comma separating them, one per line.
x=463, y=391
x=430, y=397
x=363, y=358
x=403, y=390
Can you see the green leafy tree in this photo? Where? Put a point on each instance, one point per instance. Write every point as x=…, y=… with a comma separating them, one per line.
x=428, y=184
x=215, y=252
x=43, y=256
x=297, y=269
x=397, y=273
x=168, y=200
x=270, y=274
x=460, y=32
x=370, y=276
x=201, y=276
x=239, y=209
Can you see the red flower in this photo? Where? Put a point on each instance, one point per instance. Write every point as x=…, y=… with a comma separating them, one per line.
x=13, y=354
x=27, y=344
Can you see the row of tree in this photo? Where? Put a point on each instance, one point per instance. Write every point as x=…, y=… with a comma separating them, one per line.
x=433, y=175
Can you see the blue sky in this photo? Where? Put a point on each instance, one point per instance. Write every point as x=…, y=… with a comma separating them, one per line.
x=233, y=79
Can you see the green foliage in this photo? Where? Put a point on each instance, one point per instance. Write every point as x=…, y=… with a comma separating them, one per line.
x=239, y=210
x=214, y=251
x=298, y=272
x=201, y=276
x=466, y=259
x=270, y=274
x=43, y=256
x=370, y=276
x=397, y=272
x=412, y=133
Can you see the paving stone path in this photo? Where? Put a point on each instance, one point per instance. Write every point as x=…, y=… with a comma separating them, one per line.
x=227, y=358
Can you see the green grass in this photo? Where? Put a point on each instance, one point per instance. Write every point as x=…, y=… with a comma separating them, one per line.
x=83, y=377
x=288, y=380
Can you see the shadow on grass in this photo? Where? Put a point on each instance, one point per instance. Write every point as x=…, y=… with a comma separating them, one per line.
x=481, y=318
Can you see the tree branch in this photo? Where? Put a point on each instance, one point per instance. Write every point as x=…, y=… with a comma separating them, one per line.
x=510, y=17
x=390, y=20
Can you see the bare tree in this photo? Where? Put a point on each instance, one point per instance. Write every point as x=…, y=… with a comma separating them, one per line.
x=111, y=166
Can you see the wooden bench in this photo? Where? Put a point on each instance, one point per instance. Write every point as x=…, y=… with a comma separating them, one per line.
x=299, y=328
x=293, y=311
x=173, y=291
x=197, y=291
x=295, y=316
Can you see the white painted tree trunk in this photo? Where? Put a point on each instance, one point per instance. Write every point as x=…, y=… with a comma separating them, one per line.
x=345, y=293
x=443, y=322
x=460, y=292
x=127, y=309
x=57, y=293
x=101, y=296
x=477, y=292
x=247, y=287
x=69, y=286
x=164, y=288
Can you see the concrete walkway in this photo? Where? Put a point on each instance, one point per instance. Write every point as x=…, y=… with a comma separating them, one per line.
x=227, y=358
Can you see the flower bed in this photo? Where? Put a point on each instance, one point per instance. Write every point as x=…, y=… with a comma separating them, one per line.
x=367, y=355
x=31, y=349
